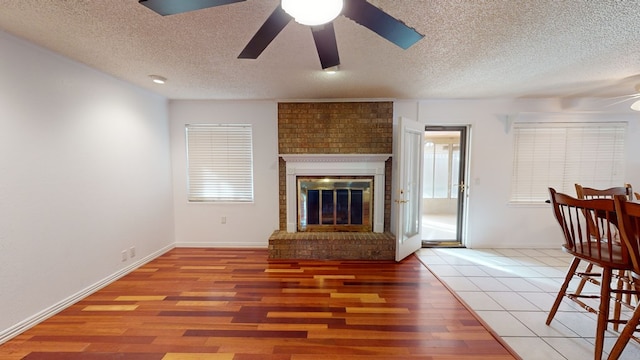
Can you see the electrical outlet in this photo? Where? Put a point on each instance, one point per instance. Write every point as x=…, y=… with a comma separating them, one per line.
x=223, y=220
x=132, y=251
x=124, y=255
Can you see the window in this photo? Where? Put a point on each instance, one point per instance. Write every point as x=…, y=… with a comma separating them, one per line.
x=559, y=155
x=219, y=163
x=441, y=167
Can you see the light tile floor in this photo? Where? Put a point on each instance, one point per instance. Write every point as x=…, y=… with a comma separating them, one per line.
x=512, y=290
x=438, y=227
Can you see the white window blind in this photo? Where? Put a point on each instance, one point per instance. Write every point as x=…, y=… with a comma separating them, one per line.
x=559, y=155
x=220, y=163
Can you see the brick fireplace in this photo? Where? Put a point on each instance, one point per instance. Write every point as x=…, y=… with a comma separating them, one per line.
x=334, y=139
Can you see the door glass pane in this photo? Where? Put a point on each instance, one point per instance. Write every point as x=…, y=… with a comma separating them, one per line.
x=441, y=172
x=455, y=171
x=412, y=185
x=429, y=164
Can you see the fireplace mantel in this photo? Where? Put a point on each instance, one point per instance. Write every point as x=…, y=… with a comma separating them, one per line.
x=353, y=158
x=335, y=165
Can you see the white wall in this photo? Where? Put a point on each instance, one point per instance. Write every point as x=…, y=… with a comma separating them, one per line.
x=84, y=174
x=247, y=225
x=491, y=220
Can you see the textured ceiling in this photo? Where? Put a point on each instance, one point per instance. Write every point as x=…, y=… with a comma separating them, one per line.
x=471, y=49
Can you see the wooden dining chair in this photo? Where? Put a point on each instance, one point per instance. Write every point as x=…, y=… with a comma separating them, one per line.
x=584, y=192
x=628, y=214
x=637, y=196
x=593, y=243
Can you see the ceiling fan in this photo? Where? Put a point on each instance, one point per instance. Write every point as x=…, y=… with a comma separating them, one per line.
x=603, y=93
x=324, y=36
x=635, y=105
x=633, y=98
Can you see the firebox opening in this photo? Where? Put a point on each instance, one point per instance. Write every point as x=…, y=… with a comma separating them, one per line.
x=335, y=204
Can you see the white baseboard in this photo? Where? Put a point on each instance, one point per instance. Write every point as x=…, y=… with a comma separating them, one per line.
x=22, y=326
x=223, y=245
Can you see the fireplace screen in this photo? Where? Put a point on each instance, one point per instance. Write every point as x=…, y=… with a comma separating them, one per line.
x=334, y=204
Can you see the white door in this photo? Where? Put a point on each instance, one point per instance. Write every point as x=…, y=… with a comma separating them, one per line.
x=408, y=196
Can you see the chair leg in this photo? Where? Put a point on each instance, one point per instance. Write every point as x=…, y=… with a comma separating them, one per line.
x=625, y=335
x=617, y=304
x=563, y=289
x=603, y=313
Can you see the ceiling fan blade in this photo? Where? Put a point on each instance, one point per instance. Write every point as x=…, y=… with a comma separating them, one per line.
x=627, y=98
x=325, y=39
x=171, y=7
x=381, y=23
x=265, y=35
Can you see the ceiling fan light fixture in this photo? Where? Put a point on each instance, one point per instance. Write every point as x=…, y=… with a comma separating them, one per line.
x=158, y=79
x=312, y=12
x=636, y=106
x=332, y=70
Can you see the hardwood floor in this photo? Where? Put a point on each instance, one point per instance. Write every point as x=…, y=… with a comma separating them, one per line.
x=237, y=305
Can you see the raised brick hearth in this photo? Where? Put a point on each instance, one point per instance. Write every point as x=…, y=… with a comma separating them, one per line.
x=332, y=245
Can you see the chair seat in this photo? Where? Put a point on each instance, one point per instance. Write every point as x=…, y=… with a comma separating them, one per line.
x=600, y=255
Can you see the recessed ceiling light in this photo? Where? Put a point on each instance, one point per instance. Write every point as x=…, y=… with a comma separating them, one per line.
x=158, y=79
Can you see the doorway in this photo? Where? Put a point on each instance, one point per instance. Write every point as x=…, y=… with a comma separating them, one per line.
x=444, y=187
